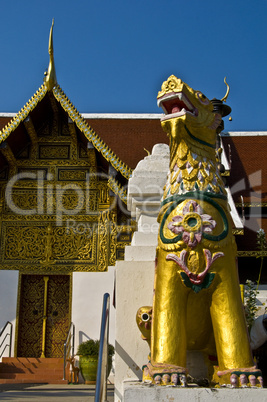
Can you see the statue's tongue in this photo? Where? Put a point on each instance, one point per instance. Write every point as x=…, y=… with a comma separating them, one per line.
x=176, y=109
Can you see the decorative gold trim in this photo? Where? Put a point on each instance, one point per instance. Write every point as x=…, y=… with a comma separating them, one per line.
x=121, y=245
x=8, y=154
x=57, y=269
x=51, y=79
x=17, y=315
x=46, y=279
x=30, y=272
x=227, y=91
x=70, y=298
x=172, y=84
x=226, y=173
x=32, y=134
x=23, y=113
x=127, y=228
x=117, y=189
x=251, y=204
x=10, y=158
x=251, y=253
x=238, y=231
x=89, y=133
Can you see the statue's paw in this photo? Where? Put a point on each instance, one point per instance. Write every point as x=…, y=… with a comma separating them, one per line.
x=243, y=378
x=260, y=380
x=166, y=379
x=255, y=381
x=165, y=374
x=173, y=379
x=234, y=381
x=183, y=380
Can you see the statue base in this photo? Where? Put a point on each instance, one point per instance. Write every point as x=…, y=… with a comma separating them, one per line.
x=144, y=392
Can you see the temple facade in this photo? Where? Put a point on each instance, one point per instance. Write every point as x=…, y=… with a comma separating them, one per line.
x=64, y=220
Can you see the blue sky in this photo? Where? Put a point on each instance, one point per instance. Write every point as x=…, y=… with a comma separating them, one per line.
x=112, y=56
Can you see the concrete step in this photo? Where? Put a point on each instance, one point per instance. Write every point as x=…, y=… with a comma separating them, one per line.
x=34, y=360
x=51, y=373
x=144, y=392
x=31, y=381
x=32, y=370
x=10, y=366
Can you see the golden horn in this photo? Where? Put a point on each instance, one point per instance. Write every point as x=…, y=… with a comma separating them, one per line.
x=51, y=79
x=148, y=153
x=227, y=91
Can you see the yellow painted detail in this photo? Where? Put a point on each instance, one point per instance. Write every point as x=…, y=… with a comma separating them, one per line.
x=50, y=78
x=90, y=134
x=189, y=314
x=23, y=113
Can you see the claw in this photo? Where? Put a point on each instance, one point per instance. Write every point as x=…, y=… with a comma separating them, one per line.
x=260, y=379
x=166, y=379
x=243, y=381
x=183, y=380
x=252, y=380
x=175, y=379
x=234, y=381
x=157, y=379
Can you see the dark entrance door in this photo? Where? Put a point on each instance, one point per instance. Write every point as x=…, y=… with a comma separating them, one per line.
x=44, y=315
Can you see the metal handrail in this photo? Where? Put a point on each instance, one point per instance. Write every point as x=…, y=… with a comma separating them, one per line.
x=102, y=367
x=7, y=345
x=69, y=346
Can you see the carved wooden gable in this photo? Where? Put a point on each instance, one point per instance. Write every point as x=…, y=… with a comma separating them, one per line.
x=57, y=214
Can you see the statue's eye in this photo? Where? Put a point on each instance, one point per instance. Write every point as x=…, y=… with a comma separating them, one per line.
x=145, y=317
x=203, y=99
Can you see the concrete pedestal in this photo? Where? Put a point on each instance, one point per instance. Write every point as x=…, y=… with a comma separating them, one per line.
x=136, y=391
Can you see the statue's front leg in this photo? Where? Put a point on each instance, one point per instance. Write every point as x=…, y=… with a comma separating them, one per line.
x=229, y=325
x=168, y=337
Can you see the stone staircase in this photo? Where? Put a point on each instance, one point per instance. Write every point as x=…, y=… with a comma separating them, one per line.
x=32, y=370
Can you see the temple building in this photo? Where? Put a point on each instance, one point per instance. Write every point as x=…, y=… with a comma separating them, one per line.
x=64, y=220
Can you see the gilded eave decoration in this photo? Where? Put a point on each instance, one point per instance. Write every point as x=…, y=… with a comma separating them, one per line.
x=58, y=168
x=90, y=134
x=253, y=253
x=251, y=204
x=23, y=113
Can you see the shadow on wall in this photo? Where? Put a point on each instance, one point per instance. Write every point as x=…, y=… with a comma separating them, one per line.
x=128, y=360
x=83, y=337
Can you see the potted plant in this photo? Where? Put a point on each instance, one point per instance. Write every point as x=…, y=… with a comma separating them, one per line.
x=88, y=352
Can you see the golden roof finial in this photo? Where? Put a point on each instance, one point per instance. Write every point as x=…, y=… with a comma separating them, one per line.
x=51, y=79
x=227, y=91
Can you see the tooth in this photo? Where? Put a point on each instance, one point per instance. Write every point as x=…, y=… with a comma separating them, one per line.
x=159, y=102
x=164, y=109
x=187, y=103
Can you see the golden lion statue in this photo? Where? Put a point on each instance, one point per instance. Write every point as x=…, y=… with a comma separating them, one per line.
x=197, y=303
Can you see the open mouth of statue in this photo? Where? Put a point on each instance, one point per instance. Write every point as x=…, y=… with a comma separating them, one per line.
x=176, y=105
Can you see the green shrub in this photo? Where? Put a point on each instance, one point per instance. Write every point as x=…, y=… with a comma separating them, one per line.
x=91, y=348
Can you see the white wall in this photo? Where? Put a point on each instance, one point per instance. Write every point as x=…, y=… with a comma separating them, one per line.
x=134, y=289
x=87, y=301
x=8, y=301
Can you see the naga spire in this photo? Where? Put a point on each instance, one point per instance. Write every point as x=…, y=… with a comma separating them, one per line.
x=50, y=78
x=227, y=91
